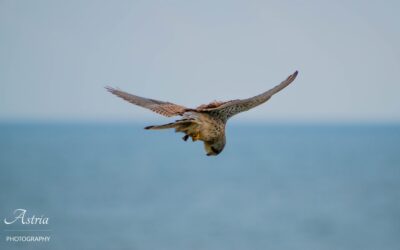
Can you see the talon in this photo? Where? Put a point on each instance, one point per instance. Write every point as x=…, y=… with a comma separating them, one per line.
x=185, y=137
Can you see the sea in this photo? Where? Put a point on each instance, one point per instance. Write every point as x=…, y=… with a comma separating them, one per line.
x=275, y=186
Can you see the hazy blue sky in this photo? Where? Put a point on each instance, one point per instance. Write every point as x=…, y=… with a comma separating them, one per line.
x=56, y=57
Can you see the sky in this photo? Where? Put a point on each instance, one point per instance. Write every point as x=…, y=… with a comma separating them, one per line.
x=57, y=56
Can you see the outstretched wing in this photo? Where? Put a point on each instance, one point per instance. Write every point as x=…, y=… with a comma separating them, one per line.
x=163, y=108
x=231, y=108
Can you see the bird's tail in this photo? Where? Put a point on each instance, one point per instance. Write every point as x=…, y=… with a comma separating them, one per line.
x=165, y=126
x=178, y=125
x=190, y=127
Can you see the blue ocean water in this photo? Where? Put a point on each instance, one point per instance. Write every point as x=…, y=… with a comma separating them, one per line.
x=117, y=186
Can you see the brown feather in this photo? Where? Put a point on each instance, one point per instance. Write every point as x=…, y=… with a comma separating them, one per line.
x=163, y=108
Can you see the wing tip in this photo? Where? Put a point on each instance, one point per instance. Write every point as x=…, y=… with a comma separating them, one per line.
x=292, y=76
x=115, y=91
x=110, y=89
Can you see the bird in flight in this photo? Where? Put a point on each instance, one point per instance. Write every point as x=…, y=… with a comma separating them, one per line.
x=206, y=122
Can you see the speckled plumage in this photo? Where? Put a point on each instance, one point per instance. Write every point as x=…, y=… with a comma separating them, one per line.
x=206, y=122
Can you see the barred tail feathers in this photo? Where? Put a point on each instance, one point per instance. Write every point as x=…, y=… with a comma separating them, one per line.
x=179, y=125
x=165, y=126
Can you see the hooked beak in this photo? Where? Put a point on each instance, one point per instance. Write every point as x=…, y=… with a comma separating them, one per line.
x=210, y=150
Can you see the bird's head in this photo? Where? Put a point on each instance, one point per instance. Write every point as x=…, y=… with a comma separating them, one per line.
x=214, y=148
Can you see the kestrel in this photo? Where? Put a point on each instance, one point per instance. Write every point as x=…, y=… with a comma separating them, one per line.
x=206, y=122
